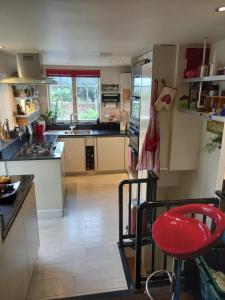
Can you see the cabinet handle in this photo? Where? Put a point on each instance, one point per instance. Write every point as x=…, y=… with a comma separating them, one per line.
x=2, y=222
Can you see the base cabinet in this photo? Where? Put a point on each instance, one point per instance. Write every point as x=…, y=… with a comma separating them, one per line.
x=111, y=154
x=31, y=230
x=49, y=186
x=18, y=252
x=74, y=154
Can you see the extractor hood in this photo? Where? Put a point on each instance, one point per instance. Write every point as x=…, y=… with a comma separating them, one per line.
x=29, y=71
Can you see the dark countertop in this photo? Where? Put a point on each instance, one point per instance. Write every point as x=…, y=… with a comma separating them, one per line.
x=4, y=145
x=9, y=150
x=10, y=210
x=85, y=133
x=57, y=155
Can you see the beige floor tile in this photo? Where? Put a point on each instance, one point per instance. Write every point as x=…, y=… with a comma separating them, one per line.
x=61, y=256
x=96, y=283
x=50, y=288
x=74, y=269
x=89, y=243
x=78, y=253
x=102, y=252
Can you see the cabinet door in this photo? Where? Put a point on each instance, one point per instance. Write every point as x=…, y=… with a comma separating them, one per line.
x=29, y=211
x=2, y=168
x=74, y=155
x=110, y=151
x=15, y=260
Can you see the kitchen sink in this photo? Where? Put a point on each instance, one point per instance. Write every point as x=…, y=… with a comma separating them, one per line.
x=78, y=132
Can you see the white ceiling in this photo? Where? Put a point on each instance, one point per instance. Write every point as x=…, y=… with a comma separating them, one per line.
x=76, y=31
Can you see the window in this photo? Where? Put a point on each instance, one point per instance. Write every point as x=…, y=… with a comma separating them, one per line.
x=79, y=94
x=87, y=95
x=61, y=98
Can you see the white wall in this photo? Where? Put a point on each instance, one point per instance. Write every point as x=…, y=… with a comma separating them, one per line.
x=7, y=105
x=203, y=181
x=219, y=47
x=109, y=75
x=7, y=63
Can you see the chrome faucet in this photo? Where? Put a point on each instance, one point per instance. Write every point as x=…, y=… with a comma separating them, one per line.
x=73, y=121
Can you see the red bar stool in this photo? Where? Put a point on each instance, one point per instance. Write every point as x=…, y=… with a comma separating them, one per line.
x=182, y=237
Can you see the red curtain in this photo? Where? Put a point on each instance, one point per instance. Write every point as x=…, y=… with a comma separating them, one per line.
x=72, y=73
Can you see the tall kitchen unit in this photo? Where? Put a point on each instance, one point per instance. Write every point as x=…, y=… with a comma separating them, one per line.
x=135, y=107
x=162, y=67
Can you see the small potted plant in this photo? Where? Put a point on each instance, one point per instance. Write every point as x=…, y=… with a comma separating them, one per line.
x=214, y=143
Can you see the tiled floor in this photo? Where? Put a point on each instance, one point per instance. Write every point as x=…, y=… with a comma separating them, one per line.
x=78, y=253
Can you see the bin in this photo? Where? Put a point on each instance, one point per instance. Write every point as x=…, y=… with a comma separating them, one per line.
x=215, y=259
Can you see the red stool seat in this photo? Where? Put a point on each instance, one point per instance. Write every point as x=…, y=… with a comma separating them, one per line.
x=183, y=237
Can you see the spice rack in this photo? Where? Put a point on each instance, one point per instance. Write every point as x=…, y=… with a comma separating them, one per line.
x=201, y=103
x=27, y=106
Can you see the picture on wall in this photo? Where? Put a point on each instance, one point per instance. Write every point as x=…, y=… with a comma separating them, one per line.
x=110, y=88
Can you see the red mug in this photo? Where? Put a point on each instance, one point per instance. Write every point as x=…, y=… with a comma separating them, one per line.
x=39, y=129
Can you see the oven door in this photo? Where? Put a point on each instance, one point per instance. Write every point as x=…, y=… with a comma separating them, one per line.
x=133, y=138
x=135, y=109
x=136, y=93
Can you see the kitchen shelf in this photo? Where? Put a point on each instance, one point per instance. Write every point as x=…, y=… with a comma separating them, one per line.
x=217, y=118
x=205, y=79
x=28, y=119
x=203, y=115
x=26, y=97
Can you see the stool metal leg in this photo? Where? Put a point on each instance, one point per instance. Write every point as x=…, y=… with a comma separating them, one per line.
x=151, y=276
x=176, y=280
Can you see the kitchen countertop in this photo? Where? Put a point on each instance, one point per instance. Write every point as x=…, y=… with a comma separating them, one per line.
x=57, y=155
x=8, y=151
x=85, y=133
x=10, y=210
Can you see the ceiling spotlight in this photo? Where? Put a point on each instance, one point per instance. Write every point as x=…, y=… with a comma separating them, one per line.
x=2, y=47
x=221, y=9
x=105, y=54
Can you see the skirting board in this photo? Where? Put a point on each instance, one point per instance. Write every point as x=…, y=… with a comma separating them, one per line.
x=50, y=213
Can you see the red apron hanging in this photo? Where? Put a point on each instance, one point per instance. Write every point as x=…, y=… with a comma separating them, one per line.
x=149, y=158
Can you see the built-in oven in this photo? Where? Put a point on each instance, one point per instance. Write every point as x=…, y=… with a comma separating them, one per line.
x=133, y=134
x=136, y=95
x=135, y=109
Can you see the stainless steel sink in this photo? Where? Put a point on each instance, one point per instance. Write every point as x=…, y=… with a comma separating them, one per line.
x=78, y=132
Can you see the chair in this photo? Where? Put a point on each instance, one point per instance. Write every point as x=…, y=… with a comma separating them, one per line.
x=182, y=237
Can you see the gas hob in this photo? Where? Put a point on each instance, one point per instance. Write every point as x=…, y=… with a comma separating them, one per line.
x=46, y=149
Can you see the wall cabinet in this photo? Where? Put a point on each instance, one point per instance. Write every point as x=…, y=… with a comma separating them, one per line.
x=74, y=154
x=110, y=151
x=19, y=252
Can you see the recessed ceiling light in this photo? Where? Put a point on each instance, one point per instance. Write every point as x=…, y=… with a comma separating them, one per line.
x=105, y=54
x=221, y=9
x=2, y=47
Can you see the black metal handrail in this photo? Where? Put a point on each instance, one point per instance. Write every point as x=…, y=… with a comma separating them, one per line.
x=151, y=185
x=152, y=208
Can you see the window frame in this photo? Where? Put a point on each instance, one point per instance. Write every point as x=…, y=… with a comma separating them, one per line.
x=98, y=103
x=74, y=99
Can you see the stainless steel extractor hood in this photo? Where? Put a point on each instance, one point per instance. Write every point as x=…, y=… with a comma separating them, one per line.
x=29, y=71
